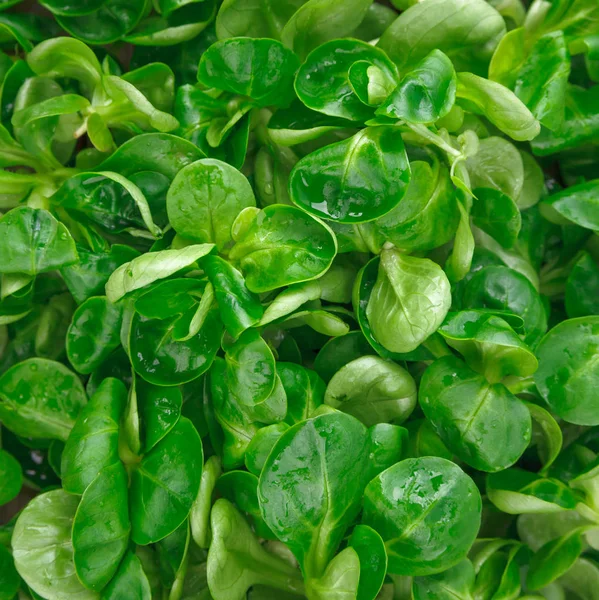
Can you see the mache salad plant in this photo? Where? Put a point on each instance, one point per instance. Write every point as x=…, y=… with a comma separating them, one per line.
x=299, y=299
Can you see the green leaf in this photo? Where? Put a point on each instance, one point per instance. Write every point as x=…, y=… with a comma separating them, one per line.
x=499, y=573
x=204, y=200
x=173, y=558
x=159, y=409
x=237, y=430
x=515, y=491
x=146, y=269
x=53, y=324
x=318, y=21
x=283, y=245
x=164, y=353
x=42, y=547
x=498, y=165
x=426, y=93
x=8, y=575
x=237, y=561
x=370, y=84
x=591, y=44
x=377, y=19
x=93, y=334
x=88, y=277
x=427, y=216
x=409, y=301
x=546, y=434
x=304, y=390
x=129, y=579
x=290, y=299
x=577, y=204
x=321, y=321
x=261, y=445
x=497, y=214
x=457, y=582
x=373, y=390
x=363, y=287
x=262, y=69
x=575, y=18
x=333, y=449
x=509, y=57
x=180, y=26
x=159, y=152
x=110, y=200
x=153, y=75
x=459, y=261
x=66, y=57
x=423, y=498
x=59, y=105
x=288, y=127
x=323, y=81
x=241, y=488
x=93, y=442
x=581, y=578
x=480, y=422
x=50, y=138
x=11, y=476
x=32, y=241
x=341, y=578
x=582, y=288
x=488, y=344
x=366, y=177
x=99, y=134
x=110, y=22
x=121, y=91
x=169, y=297
x=567, y=374
x=466, y=30
x=545, y=96
x=580, y=126
x=40, y=398
x=250, y=368
x=424, y=441
x=370, y=548
x=165, y=484
x=553, y=560
x=498, y=104
x=242, y=18
x=79, y=7
x=199, y=517
x=101, y=527
x=498, y=287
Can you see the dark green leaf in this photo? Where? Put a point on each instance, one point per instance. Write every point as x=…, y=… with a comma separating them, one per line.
x=426, y=93
x=165, y=484
x=322, y=82
x=262, y=69
x=101, y=527
x=93, y=442
x=93, y=334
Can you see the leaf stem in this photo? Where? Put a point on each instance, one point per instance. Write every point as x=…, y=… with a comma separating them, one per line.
x=520, y=385
x=436, y=345
x=81, y=130
x=435, y=139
